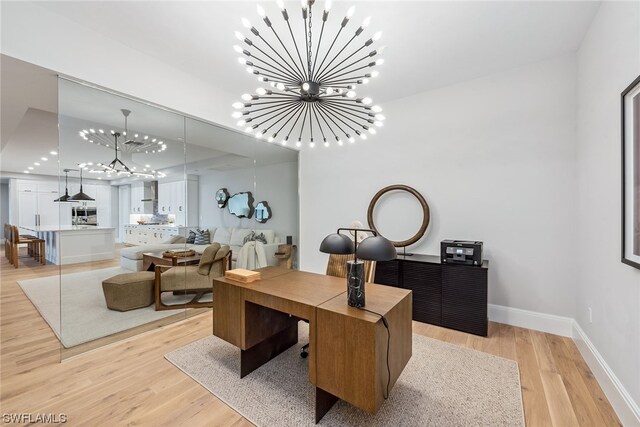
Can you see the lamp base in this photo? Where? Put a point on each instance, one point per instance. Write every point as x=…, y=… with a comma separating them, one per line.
x=355, y=283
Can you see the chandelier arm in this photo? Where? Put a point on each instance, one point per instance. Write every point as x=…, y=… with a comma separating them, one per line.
x=337, y=55
x=299, y=73
x=347, y=117
x=278, y=113
x=330, y=73
x=351, y=102
x=346, y=80
x=322, y=115
x=265, y=53
x=264, y=103
x=352, y=71
x=327, y=72
x=315, y=112
x=330, y=115
x=296, y=46
x=315, y=58
x=274, y=78
x=295, y=76
x=310, y=121
x=304, y=119
x=349, y=109
x=293, y=113
x=330, y=47
x=275, y=72
x=273, y=108
x=295, y=123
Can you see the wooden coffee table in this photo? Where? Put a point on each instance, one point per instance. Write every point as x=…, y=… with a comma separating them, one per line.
x=151, y=259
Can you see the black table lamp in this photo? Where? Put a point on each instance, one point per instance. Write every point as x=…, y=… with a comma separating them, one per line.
x=373, y=248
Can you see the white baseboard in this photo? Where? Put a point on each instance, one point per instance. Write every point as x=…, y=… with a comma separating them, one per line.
x=620, y=399
x=627, y=410
x=550, y=323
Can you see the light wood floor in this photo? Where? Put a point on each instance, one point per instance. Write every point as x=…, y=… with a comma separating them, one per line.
x=130, y=382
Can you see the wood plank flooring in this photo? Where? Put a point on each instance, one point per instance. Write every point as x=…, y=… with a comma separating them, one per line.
x=130, y=382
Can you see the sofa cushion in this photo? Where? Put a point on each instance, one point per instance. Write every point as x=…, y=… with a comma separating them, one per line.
x=238, y=235
x=222, y=236
x=135, y=252
x=192, y=236
x=270, y=235
x=202, y=237
x=175, y=239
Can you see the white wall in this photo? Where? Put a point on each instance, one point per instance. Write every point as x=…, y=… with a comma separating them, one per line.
x=36, y=35
x=608, y=61
x=277, y=184
x=495, y=159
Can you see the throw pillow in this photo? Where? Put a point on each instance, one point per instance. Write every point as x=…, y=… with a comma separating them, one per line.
x=192, y=237
x=202, y=237
x=249, y=237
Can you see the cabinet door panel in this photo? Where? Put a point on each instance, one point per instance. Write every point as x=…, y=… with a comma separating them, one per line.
x=464, y=298
x=387, y=273
x=424, y=280
x=27, y=208
x=48, y=210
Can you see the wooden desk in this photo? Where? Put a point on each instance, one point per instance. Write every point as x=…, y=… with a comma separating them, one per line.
x=347, y=346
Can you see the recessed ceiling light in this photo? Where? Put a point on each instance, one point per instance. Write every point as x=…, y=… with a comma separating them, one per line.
x=36, y=163
x=44, y=159
x=26, y=171
x=53, y=153
x=147, y=166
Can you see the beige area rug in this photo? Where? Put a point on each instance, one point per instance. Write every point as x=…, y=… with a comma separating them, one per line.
x=442, y=385
x=84, y=316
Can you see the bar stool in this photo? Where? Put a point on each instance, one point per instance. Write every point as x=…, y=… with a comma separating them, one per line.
x=7, y=242
x=36, y=247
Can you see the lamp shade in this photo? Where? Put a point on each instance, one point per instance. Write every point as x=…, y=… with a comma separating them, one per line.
x=376, y=248
x=337, y=243
x=81, y=197
x=65, y=198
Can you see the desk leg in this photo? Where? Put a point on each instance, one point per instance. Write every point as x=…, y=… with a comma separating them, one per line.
x=256, y=356
x=324, y=402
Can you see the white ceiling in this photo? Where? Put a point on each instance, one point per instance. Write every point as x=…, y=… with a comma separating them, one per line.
x=428, y=44
x=35, y=112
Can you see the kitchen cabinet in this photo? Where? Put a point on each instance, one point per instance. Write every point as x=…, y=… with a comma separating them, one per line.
x=150, y=234
x=179, y=198
x=142, y=191
x=36, y=206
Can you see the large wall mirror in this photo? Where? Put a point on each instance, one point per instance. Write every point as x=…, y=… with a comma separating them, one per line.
x=119, y=188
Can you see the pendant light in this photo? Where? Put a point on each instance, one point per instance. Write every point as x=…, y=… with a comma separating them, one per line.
x=66, y=197
x=81, y=196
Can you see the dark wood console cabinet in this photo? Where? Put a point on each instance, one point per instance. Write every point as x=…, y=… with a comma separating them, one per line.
x=449, y=295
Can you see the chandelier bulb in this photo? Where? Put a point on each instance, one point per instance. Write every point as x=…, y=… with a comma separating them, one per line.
x=380, y=117
x=270, y=139
x=242, y=61
x=366, y=22
x=246, y=97
x=329, y=91
x=377, y=36
x=280, y=86
x=259, y=135
x=326, y=144
x=340, y=142
x=365, y=81
x=350, y=12
x=375, y=73
x=250, y=70
x=372, y=131
x=378, y=123
x=305, y=86
x=237, y=48
x=280, y=4
x=327, y=5
x=261, y=91
x=248, y=129
x=351, y=94
x=236, y=114
x=261, y=11
x=363, y=136
x=246, y=23
x=304, y=4
x=379, y=61
x=367, y=101
x=352, y=139
x=239, y=36
x=376, y=109
x=351, y=87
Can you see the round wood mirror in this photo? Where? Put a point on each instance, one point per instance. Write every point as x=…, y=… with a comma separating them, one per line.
x=425, y=213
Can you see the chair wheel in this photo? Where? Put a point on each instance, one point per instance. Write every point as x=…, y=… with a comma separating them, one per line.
x=304, y=354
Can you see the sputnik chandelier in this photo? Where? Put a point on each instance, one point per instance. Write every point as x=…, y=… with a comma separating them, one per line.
x=313, y=81
x=131, y=143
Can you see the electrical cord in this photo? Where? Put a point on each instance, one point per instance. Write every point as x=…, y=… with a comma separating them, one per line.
x=386, y=325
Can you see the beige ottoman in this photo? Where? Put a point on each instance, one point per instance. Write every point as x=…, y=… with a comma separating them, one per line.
x=129, y=291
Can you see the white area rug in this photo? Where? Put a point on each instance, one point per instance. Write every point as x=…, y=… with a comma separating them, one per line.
x=85, y=316
x=442, y=385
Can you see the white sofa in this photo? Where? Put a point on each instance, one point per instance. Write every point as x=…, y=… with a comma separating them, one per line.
x=131, y=257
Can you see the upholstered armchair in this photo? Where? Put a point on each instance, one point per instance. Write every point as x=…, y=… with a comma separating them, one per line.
x=192, y=279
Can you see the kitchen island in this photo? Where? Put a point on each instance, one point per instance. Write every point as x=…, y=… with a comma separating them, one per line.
x=76, y=243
